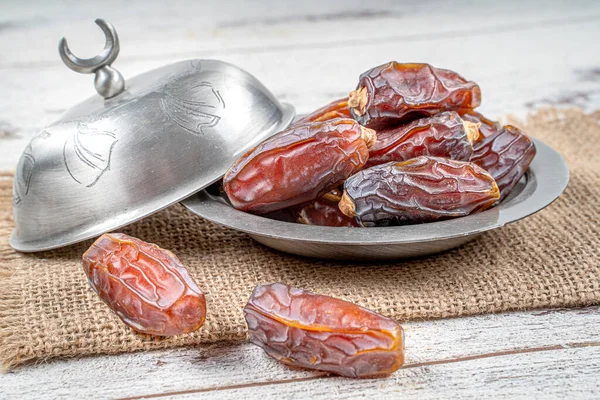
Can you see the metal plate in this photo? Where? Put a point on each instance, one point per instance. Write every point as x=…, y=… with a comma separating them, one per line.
x=545, y=180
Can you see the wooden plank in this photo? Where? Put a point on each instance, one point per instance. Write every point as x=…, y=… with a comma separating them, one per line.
x=556, y=373
x=428, y=344
x=160, y=29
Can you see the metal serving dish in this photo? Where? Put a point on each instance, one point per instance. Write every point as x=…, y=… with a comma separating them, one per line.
x=137, y=146
x=545, y=180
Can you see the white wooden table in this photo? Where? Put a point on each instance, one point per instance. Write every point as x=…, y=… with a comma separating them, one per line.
x=524, y=54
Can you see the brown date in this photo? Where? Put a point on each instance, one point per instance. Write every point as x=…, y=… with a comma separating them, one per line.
x=423, y=189
x=443, y=135
x=506, y=155
x=298, y=165
x=323, y=212
x=146, y=286
x=336, y=109
x=392, y=93
x=309, y=330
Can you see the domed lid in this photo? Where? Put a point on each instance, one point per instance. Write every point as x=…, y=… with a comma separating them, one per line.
x=137, y=147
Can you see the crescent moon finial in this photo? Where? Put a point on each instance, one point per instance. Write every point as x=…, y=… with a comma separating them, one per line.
x=109, y=82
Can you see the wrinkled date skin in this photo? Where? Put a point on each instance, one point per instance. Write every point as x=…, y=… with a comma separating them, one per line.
x=506, y=155
x=443, y=135
x=335, y=109
x=298, y=165
x=308, y=330
x=146, y=286
x=323, y=212
x=394, y=92
x=423, y=189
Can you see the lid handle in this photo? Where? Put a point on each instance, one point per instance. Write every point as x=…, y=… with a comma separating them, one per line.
x=108, y=82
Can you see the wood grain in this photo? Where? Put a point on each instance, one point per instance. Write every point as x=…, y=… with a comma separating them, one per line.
x=165, y=31
x=240, y=367
x=541, y=374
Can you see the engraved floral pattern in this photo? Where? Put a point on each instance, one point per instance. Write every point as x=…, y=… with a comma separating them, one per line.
x=23, y=175
x=87, y=154
x=25, y=169
x=181, y=104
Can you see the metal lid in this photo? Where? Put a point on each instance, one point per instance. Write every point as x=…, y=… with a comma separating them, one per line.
x=137, y=147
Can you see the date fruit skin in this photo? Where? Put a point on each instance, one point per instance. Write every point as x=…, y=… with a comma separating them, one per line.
x=298, y=165
x=506, y=155
x=308, y=330
x=393, y=93
x=336, y=109
x=504, y=151
x=423, y=189
x=322, y=212
x=146, y=286
x=443, y=135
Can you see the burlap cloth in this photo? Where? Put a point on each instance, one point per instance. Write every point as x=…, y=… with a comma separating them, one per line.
x=551, y=259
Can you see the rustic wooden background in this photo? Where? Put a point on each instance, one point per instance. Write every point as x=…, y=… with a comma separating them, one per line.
x=524, y=54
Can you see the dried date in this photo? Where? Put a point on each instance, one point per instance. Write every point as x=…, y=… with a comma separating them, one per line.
x=423, y=189
x=506, y=155
x=335, y=109
x=308, y=330
x=394, y=92
x=322, y=212
x=298, y=165
x=443, y=135
x=504, y=151
x=146, y=286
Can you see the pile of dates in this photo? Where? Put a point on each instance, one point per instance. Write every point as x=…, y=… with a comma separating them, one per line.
x=153, y=293
x=405, y=147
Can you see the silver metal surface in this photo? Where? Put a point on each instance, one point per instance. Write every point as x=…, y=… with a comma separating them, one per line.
x=109, y=162
x=545, y=180
x=108, y=82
